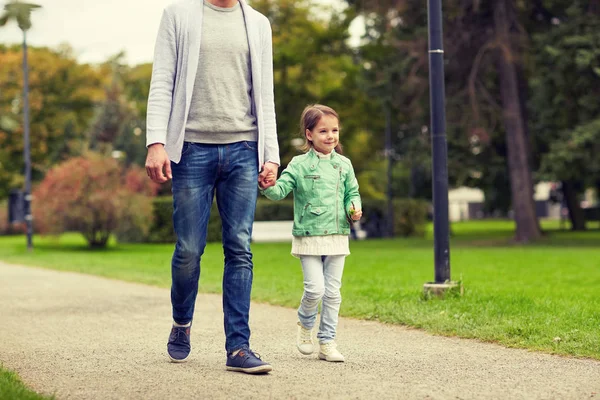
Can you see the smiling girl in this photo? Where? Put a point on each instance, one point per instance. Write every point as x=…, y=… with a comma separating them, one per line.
x=326, y=201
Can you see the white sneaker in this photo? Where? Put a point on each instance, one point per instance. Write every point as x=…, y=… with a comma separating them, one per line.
x=304, y=341
x=329, y=352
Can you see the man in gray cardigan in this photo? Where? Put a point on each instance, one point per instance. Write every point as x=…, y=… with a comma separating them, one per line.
x=211, y=129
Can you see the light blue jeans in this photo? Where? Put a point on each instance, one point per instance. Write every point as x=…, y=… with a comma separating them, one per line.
x=322, y=281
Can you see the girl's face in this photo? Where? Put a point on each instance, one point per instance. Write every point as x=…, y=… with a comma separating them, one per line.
x=325, y=135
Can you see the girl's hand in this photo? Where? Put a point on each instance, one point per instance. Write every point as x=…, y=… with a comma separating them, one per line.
x=355, y=214
x=268, y=180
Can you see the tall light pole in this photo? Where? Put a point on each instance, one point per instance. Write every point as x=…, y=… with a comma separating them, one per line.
x=21, y=12
x=27, y=145
x=439, y=151
x=389, y=153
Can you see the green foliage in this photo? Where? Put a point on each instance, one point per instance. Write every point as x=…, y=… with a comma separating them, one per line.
x=410, y=217
x=267, y=210
x=162, y=230
x=62, y=97
x=576, y=156
x=91, y=195
x=313, y=64
x=566, y=95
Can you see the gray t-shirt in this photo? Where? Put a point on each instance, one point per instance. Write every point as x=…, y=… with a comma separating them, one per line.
x=221, y=107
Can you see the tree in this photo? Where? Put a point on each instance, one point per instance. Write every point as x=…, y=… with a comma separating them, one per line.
x=483, y=87
x=508, y=55
x=566, y=99
x=62, y=97
x=313, y=64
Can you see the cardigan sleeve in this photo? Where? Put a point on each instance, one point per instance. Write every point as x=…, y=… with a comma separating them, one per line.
x=163, y=81
x=271, y=153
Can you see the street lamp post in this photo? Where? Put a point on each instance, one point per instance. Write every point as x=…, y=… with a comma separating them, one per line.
x=21, y=13
x=389, y=154
x=28, y=216
x=439, y=152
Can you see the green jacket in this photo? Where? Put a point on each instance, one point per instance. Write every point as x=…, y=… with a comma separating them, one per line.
x=324, y=191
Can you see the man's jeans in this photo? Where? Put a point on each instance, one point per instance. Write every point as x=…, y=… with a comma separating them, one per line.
x=232, y=172
x=322, y=280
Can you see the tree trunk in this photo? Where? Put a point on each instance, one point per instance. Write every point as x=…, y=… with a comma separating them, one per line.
x=576, y=214
x=514, y=124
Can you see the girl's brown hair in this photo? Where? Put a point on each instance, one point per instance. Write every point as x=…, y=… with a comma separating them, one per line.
x=311, y=116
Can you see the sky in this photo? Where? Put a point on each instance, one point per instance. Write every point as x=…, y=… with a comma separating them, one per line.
x=97, y=29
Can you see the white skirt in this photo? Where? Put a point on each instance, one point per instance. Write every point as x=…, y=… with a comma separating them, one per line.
x=327, y=245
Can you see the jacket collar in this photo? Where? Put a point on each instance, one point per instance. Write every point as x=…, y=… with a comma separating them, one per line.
x=313, y=153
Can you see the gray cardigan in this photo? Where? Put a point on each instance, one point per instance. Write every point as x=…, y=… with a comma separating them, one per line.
x=176, y=55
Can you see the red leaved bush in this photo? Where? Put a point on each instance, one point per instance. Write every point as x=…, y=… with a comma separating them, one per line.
x=96, y=196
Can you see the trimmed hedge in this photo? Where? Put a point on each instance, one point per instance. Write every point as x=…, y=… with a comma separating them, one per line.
x=162, y=231
x=410, y=218
x=267, y=210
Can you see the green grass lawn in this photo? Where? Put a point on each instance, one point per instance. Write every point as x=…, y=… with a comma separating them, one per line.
x=543, y=296
x=11, y=388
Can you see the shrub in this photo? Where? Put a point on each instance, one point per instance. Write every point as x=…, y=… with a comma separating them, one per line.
x=4, y=225
x=268, y=210
x=162, y=230
x=410, y=217
x=93, y=195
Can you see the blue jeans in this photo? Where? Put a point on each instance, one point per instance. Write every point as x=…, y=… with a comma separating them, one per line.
x=230, y=171
x=322, y=283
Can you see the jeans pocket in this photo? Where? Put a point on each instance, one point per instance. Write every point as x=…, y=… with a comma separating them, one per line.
x=250, y=145
x=186, y=148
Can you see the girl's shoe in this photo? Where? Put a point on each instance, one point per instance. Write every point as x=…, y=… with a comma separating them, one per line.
x=329, y=352
x=304, y=340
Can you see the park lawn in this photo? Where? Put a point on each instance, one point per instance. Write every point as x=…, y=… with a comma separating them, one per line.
x=543, y=296
x=11, y=388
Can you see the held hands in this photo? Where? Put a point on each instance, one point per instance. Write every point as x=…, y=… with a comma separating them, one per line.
x=267, y=176
x=268, y=180
x=354, y=213
x=156, y=160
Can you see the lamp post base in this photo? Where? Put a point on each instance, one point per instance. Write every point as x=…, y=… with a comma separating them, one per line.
x=442, y=290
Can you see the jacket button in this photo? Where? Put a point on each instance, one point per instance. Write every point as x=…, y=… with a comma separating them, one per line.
x=325, y=232
x=312, y=167
x=318, y=210
x=335, y=166
x=307, y=232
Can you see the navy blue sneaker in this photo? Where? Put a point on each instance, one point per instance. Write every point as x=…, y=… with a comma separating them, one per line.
x=179, y=346
x=247, y=361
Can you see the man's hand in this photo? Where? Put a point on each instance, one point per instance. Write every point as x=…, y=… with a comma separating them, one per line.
x=268, y=181
x=156, y=160
x=269, y=168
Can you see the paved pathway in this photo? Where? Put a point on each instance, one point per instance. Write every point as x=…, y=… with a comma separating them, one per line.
x=85, y=337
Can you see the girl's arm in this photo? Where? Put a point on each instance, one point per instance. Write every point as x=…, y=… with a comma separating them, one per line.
x=284, y=185
x=351, y=196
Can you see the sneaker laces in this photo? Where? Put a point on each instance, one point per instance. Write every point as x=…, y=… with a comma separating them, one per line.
x=248, y=353
x=328, y=347
x=254, y=354
x=305, y=335
x=177, y=331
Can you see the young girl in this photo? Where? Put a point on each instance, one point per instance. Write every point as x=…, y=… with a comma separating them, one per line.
x=326, y=200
